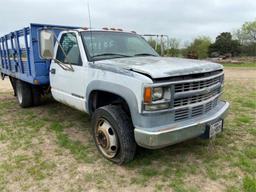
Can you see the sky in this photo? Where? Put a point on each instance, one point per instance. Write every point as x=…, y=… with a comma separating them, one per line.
x=181, y=19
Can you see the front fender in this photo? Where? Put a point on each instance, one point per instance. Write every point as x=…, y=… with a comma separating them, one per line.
x=122, y=91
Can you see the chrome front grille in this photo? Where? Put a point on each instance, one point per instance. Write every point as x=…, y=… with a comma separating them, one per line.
x=208, y=106
x=198, y=110
x=181, y=114
x=194, y=97
x=185, y=113
x=197, y=85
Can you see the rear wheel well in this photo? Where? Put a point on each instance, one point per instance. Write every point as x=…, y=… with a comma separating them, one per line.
x=99, y=99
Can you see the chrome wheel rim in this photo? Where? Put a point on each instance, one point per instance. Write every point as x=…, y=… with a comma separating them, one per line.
x=106, y=138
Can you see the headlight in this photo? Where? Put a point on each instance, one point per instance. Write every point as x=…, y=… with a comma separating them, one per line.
x=156, y=98
x=157, y=93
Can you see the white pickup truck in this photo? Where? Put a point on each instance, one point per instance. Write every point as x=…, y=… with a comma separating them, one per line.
x=134, y=96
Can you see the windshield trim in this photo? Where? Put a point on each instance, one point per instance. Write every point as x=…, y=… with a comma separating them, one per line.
x=92, y=59
x=85, y=48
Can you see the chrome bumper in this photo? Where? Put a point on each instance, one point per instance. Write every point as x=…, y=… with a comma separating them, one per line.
x=178, y=132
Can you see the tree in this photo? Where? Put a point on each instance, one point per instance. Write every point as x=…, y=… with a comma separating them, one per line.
x=155, y=45
x=224, y=44
x=247, y=34
x=173, y=50
x=198, y=48
x=152, y=42
x=249, y=29
x=247, y=38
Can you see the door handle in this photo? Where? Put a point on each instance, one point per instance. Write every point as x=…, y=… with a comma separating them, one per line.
x=53, y=71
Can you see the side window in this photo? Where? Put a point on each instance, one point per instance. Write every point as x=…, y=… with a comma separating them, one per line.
x=69, y=51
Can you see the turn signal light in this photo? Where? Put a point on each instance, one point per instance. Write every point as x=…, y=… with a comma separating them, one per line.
x=147, y=95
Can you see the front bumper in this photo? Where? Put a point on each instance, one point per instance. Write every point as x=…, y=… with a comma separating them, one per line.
x=178, y=132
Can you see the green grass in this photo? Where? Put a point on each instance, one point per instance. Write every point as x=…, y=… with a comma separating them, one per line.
x=243, y=119
x=38, y=151
x=249, y=184
x=81, y=152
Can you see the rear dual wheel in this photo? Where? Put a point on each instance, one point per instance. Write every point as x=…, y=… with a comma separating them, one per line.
x=27, y=95
x=24, y=94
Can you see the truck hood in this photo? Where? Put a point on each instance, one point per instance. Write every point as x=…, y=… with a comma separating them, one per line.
x=161, y=67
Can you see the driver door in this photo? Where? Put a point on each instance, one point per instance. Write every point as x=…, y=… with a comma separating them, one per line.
x=67, y=77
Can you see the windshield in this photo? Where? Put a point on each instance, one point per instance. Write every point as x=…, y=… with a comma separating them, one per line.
x=108, y=45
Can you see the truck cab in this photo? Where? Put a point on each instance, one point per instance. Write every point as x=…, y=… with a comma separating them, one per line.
x=134, y=96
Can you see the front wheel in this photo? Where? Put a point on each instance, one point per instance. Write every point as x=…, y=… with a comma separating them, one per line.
x=113, y=134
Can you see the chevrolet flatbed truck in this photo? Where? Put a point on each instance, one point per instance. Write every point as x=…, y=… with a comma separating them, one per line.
x=134, y=96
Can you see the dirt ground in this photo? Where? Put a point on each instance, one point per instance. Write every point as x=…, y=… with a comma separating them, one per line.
x=5, y=85
x=49, y=148
x=236, y=73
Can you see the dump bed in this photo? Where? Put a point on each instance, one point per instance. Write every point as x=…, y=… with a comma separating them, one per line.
x=20, y=54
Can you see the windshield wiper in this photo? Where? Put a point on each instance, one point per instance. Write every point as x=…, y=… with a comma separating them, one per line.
x=145, y=54
x=110, y=54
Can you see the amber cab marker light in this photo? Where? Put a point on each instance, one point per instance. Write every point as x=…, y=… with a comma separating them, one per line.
x=147, y=95
x=36, y=82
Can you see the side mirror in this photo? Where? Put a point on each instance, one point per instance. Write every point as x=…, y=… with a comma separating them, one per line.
x=46, y=44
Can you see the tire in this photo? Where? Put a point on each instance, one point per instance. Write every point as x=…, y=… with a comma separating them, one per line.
x=36, y=96
x=13, y=83
x=122, y=130
x=24, y=94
